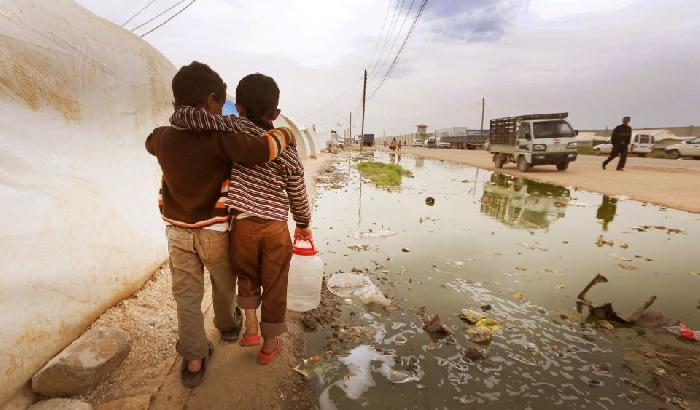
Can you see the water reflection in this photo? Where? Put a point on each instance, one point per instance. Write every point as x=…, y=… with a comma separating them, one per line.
x=523, y=203
x=606, y=211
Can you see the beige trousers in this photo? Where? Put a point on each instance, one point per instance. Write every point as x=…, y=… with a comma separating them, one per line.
x=190, y=251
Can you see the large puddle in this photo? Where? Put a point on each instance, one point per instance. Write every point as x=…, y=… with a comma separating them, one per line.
x=524, y=248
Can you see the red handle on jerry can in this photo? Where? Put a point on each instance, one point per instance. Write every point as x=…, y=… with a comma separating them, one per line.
x=304, y=251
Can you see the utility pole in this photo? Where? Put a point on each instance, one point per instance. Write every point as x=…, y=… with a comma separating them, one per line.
x=350, y=133
x=483, y=103
x=364, y=95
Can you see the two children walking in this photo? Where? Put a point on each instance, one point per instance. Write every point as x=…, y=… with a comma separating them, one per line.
x=228, y=186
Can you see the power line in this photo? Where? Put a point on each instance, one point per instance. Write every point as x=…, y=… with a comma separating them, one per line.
x=389, y=34
x=167, y=20
x=332, y=100
x=403, y=45
x=398, y=35
x=138, y=12
x=155, y=17
x=381, y=32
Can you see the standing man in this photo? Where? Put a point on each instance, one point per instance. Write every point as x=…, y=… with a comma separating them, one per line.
x=621, y=138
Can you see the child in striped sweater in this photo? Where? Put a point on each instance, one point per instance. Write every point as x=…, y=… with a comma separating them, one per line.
x=260, y=198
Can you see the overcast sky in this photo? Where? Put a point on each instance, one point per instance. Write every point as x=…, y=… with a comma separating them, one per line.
x=596, y=59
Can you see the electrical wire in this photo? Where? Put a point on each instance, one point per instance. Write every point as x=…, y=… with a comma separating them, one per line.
x=167, y=20
x=381, y=32
x=396, y=38
x=387, y=39
x=138, y=12
x=156, y=16
x=403, y=46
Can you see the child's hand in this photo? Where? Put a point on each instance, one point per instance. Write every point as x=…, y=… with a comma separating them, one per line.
x=303, y=234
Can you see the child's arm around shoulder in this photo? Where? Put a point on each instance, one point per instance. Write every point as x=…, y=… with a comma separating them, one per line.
x=296, y=188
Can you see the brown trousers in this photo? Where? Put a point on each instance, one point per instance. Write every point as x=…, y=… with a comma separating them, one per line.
x=260, y=254
x=190, y=250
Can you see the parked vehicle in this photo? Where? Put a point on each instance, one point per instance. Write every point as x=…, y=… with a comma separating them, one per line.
x=442, y=144
x=688, y=149
x=641, y=144
x=535, y=139
x=418, y=143
x=431, y=142
x=462, y=137
x=368, y=140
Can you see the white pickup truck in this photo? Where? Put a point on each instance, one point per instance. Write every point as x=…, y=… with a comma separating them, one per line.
x=641, y=144
x=535, y=139
x=690, y=149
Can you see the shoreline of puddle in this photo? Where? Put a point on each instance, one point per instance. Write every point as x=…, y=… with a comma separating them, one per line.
x=467, y=252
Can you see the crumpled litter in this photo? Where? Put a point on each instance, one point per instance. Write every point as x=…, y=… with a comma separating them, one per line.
x=601, y=241
x=432, y=323
x=397, y=376
x=471, y=316
x=351, y=285
x=492, y=325
x=478, y=335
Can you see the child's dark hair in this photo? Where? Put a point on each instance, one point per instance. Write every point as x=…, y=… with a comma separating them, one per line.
x=193, y=83
x=259, y=95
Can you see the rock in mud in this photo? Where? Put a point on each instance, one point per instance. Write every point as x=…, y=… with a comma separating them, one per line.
x=430, y=201
x=85, y=362
x=60, y=404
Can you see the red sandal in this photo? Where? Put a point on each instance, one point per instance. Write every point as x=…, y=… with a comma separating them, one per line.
x=249, y=340
x=266, y=358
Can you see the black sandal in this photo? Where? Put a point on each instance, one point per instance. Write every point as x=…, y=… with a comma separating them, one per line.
x=192, y=380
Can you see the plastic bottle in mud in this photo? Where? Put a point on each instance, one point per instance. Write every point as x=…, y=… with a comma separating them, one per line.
x=305, y=278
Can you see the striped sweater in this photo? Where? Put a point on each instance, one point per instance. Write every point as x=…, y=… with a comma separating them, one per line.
x=196, y=168
x=267, y=190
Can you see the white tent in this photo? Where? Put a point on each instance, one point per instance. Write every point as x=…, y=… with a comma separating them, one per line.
x=80, y=224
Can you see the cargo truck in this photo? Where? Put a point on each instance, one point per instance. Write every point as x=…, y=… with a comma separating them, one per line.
x=534, y=139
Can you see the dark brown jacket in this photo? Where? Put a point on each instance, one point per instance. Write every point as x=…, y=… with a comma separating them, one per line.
x=196, y=168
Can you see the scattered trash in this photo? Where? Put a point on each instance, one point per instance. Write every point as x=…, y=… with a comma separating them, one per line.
x=520, y=269
x=645, y=228
x=400, y=339
x=471, y=316
x=492, y=325
x=519, y=296
x=486, y=308
x=351, y=285
x=397, y=376
x=618, y=257
x=624, y=245
x=605, y=324
x=406, y=250
x=478, y=335
x=432, y=323
x=684, y=332
x=474, y=353
x=606, y=313
x=532, y=246
x=358, y=247
x=559, y=286
x=430, y=201
x=660, y=371
x=375, y=234
x=594, y=383
x=601, y=241
x=627, y=266
x=646, y=259
x=695, y=273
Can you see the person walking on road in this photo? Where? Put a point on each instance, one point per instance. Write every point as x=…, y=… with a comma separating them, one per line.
x=621, y=137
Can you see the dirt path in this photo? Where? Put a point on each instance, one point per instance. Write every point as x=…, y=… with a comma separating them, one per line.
x=663, y=182
x=149, y=376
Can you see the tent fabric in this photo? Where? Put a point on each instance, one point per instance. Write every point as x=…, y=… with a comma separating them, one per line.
x=81, y=228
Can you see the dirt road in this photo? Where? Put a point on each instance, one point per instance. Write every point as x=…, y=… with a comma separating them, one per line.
x=671, y=183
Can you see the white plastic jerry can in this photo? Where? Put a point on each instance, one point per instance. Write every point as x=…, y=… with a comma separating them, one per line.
x=305, y=278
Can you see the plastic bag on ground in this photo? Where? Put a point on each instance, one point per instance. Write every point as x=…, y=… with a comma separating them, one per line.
x=352, y=285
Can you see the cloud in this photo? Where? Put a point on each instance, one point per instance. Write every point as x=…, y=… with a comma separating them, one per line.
x=476, y=20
